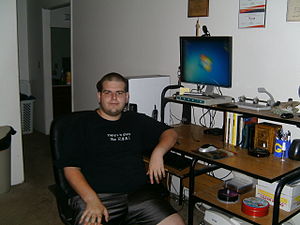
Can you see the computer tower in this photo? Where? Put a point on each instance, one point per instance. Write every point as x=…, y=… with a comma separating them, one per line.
x=145, y=92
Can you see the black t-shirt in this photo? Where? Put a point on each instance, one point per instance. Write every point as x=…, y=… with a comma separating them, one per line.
x=109, y=153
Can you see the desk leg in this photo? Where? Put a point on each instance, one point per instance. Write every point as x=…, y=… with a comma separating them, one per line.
x=180, y=192
x=164, y=101
x=286, y=179
x=191, y=193
x=192, y=175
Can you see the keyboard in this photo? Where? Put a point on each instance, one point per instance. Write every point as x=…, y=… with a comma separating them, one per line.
x=176, y=161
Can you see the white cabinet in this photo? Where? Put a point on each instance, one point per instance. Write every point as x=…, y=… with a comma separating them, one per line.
x=145, y=91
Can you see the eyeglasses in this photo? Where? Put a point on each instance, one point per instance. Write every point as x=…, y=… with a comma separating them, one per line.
x=111, y=93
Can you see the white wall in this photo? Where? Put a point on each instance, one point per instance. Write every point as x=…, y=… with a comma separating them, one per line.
x=9, y=83
x=35, y=59
x=142, y=37
x=47, y=117
x=135, y=37
x=23, y=39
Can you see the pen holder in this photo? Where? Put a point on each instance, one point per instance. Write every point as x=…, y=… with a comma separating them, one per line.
x=281, y=147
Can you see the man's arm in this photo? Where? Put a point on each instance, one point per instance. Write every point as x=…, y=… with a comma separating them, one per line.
x=94, y=210
x=156, y=170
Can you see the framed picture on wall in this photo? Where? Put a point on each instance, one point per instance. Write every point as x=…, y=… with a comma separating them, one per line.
x=198, y=8
x=293, y=11
x=252, y=13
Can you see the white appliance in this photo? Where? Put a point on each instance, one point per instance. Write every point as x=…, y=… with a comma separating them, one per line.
x=145, y=91
x=216, y=217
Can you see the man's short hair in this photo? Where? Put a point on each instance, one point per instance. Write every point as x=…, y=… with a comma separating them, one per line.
x=112, y=77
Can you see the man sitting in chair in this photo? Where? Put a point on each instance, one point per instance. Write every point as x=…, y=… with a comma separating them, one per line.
x=103, y=162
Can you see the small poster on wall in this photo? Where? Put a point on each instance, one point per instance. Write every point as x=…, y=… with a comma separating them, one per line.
x=198, y=8
x=252, y=13
x=293, y=11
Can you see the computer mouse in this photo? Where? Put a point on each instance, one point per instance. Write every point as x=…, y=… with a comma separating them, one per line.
x=287, y=115
x=207, y=148
x=206, y=145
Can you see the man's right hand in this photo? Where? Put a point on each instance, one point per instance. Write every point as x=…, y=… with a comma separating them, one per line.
x=95, y=213
x=95, y=210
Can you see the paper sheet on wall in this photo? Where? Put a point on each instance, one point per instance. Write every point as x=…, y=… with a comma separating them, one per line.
x=252, y=13
x=293, y=10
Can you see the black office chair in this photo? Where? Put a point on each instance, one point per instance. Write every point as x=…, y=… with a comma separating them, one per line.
x=60, y=128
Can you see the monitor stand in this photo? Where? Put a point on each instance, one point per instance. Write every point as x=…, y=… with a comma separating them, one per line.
x=209, y=92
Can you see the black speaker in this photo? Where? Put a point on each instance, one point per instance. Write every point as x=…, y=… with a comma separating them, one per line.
x=132, y=107
x=186, y=114
x=294, y=151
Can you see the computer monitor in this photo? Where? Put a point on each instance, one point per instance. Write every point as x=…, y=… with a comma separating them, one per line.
x=206, y=61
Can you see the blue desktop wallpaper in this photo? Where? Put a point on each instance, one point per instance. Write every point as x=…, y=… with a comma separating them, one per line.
x=206, y=62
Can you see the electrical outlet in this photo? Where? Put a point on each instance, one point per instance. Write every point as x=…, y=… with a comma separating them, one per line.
x=186, y=192
x=175, y=185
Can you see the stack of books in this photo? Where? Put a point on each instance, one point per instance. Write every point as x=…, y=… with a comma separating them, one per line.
x=239, y=129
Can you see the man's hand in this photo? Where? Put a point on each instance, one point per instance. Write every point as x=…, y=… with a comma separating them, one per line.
x=95, y=210
x=156, y=170
x=94, y=214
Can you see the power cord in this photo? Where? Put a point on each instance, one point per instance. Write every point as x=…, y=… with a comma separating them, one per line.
x=199, y=206
x=173, y=116
x=221, y=178
x=212, y=115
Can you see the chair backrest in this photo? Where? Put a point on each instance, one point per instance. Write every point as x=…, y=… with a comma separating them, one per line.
x=60, y=128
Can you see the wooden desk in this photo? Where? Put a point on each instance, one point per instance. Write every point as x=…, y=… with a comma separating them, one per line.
x=269, y=169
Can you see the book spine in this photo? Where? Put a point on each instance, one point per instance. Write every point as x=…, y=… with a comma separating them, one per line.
x=234, y=129
x=240, y=130
x=227, y=125
x=230, y=128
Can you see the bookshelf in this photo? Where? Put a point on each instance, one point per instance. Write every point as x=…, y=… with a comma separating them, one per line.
x=269, y=169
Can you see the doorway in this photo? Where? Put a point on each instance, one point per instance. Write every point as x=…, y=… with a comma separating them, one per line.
x=61, y=71
x=52, y=18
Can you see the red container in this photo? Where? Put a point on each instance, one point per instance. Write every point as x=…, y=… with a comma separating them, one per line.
x=255, y=206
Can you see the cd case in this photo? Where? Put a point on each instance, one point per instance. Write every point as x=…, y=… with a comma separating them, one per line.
x=239, y=185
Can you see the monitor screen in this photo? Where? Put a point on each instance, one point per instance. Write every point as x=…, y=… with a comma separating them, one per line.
x=206, y=60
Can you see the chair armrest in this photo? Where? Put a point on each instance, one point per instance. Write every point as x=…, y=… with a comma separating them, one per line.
x=66, y=213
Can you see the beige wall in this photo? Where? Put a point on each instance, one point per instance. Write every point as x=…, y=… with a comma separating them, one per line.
x=142, y=37
x=137, y=37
